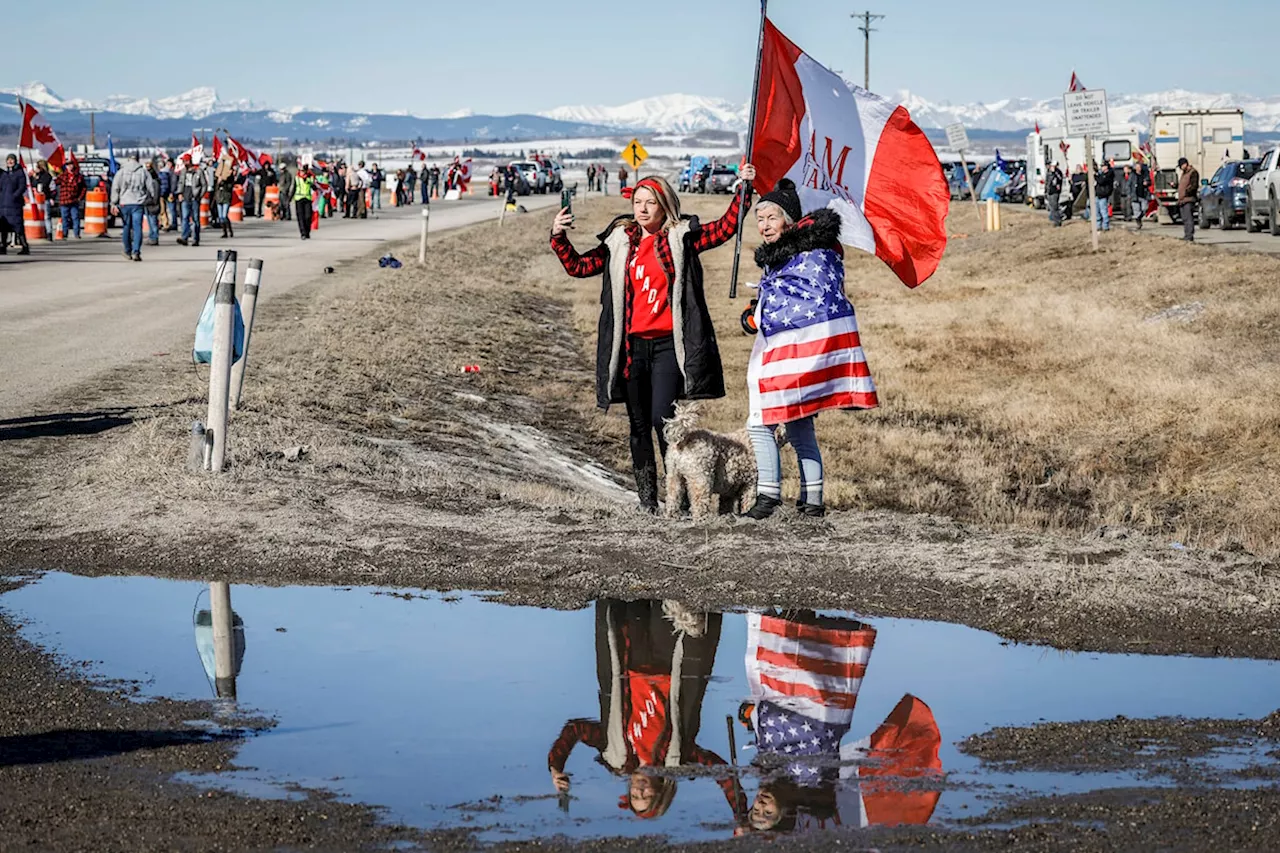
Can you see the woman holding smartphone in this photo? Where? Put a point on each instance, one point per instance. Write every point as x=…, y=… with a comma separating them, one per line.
x=656, y=342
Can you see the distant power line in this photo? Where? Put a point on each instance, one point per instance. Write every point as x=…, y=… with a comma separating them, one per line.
x=867, y=30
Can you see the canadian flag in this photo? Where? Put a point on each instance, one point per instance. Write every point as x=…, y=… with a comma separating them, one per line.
x=417, y=154
x=37, y=133
x=854, y=152
x=196, y=151
x=1076, y=85
x=240, y=151
x=217, y=147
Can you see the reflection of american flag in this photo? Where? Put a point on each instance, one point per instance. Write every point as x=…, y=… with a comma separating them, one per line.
x=813, y=356
x=805, y=679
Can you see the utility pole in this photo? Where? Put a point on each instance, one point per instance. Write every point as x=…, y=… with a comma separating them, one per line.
x=93, y=136
x=867, y=30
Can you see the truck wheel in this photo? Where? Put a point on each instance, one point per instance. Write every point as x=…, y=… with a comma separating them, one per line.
x=1272, y=220
x=1202, y=218
x=1250, y=223
x=1224, y=218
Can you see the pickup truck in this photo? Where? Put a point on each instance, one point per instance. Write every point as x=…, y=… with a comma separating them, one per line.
x=1263, y=195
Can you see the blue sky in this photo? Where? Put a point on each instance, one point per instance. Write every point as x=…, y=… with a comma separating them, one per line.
x=432, y=57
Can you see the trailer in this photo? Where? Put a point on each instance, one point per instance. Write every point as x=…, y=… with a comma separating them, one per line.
x=1207, y=138
x=1052, y=145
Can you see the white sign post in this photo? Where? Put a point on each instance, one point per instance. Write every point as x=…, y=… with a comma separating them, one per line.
x=1086, y=115
x=959, y=140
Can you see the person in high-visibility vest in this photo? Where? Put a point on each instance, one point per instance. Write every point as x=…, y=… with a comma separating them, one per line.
x=302, y=186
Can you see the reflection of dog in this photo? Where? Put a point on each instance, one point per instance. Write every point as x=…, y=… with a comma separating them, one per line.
x=713, y=471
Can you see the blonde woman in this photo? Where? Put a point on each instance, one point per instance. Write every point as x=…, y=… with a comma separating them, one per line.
x=656, y=343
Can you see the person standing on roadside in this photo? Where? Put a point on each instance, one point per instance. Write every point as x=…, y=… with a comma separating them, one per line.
x=1141, y=191
x=286, y=192
x=376, y=177
x=1053, y=195
x=131, y=191
x=1104, y=185
x=13, y=193
x=1126, y=193
x=302, y=186
x=43, y=182
x=151, y=210
x=1188, y=194
x=224, y=183
x=622, y=180
x=656, y=343
x=165, y=179
x=192, y=187
x=71, y=192
x=410, y=181
x=604, y=180
x=268, y=179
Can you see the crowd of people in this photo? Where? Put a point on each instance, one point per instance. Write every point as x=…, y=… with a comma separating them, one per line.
x=1125, y=193
x=166, y=194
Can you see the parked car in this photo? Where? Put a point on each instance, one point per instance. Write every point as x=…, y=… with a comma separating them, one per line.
x=1225, y=198
x=722, y=180
x=536, y=178
x=1263, y=195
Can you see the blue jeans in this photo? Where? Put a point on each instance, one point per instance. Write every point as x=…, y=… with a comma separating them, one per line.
x=377, y=198
x=1104, y=214
x=191, y=218
x=153, y=228
x=70, y=219
x=224, y=212
x=131, y=228
x=801, y=436
x=426, y=193
x=173, y=214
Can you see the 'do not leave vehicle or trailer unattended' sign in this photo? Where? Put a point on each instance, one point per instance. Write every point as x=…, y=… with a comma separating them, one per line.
x=1086, y=113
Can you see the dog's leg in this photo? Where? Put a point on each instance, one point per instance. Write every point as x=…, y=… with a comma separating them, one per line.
x=700, y=498
x=674, y=481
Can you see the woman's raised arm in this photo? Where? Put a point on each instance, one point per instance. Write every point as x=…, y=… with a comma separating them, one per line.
x=718, y=233
x=576, y=265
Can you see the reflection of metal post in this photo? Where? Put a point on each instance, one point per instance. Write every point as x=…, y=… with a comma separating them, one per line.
x=223, y=639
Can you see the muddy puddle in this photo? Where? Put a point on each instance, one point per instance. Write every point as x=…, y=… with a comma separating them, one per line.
x=623, y=718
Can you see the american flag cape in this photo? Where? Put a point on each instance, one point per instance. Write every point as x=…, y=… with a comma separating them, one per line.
x=804, y=680
x=808, y=356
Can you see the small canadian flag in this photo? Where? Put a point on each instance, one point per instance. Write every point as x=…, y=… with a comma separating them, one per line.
x=1076, y=85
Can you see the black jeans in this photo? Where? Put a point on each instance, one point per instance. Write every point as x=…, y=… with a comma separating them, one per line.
x=653, y=386
x=1188, y=211
x=303, y=206
x=1054, y=203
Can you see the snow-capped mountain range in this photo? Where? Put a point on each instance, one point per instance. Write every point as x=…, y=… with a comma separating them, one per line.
x=665, y=114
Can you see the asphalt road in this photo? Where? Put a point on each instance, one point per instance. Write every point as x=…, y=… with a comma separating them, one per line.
x=71, y=310
x=1235, y=240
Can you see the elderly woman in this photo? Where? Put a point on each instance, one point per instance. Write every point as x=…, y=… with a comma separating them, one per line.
x=807, y=356
x=656, y=342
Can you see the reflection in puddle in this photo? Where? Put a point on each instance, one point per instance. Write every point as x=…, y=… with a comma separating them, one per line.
x=625, y=718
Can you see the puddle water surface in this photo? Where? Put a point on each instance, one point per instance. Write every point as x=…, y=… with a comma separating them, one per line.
x=449, y=710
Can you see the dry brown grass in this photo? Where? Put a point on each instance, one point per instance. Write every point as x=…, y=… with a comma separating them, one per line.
x=1023, y=385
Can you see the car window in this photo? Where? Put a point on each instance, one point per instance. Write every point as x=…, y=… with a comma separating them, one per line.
x=1117, y=149
x=1217, y=176
x=1266, y=161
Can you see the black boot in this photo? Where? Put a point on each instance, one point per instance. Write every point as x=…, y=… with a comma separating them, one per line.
x=647, y=488
x=810, y=510
x=230, y=231
x=763, y=507
x=224, y=229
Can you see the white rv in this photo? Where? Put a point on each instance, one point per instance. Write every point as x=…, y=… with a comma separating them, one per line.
x=1052, y=145
x=1207, y=138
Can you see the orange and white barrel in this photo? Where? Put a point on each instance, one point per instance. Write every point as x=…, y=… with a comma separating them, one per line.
x=368, y=198
x=33, y=222
x=271, y=202
x=236, y=212
x=315, y=210
x=95, y=212
x=204, y=211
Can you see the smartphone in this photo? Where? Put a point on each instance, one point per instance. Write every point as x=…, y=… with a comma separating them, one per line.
x=566, y=200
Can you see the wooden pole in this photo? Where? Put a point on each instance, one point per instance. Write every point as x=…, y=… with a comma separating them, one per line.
x=422, y=244
x=1093, y=199
x=745, y=188
x=220, y=366
x=224, y=646
x=968, y=179
x=248, y=306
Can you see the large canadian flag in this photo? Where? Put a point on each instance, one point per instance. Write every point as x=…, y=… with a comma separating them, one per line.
x=241, y=152
x=854, y=152
x=37, y=133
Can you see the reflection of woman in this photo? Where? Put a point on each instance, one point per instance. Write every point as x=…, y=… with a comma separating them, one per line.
x=804, y=671
x=653, y=659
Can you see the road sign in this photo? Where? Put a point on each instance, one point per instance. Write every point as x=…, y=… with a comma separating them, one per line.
x=634, y=154
x=957, y=139
x=1086, y=112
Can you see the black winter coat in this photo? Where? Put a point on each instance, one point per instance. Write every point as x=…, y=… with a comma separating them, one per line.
x=1053, y=182
x=1105, y=184
x=13, y=187
x=695, y=337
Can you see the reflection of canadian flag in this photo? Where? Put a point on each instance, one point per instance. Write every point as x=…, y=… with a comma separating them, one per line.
x=37, y=133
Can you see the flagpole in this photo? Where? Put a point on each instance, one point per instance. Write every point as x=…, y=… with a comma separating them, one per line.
x=744, y=191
